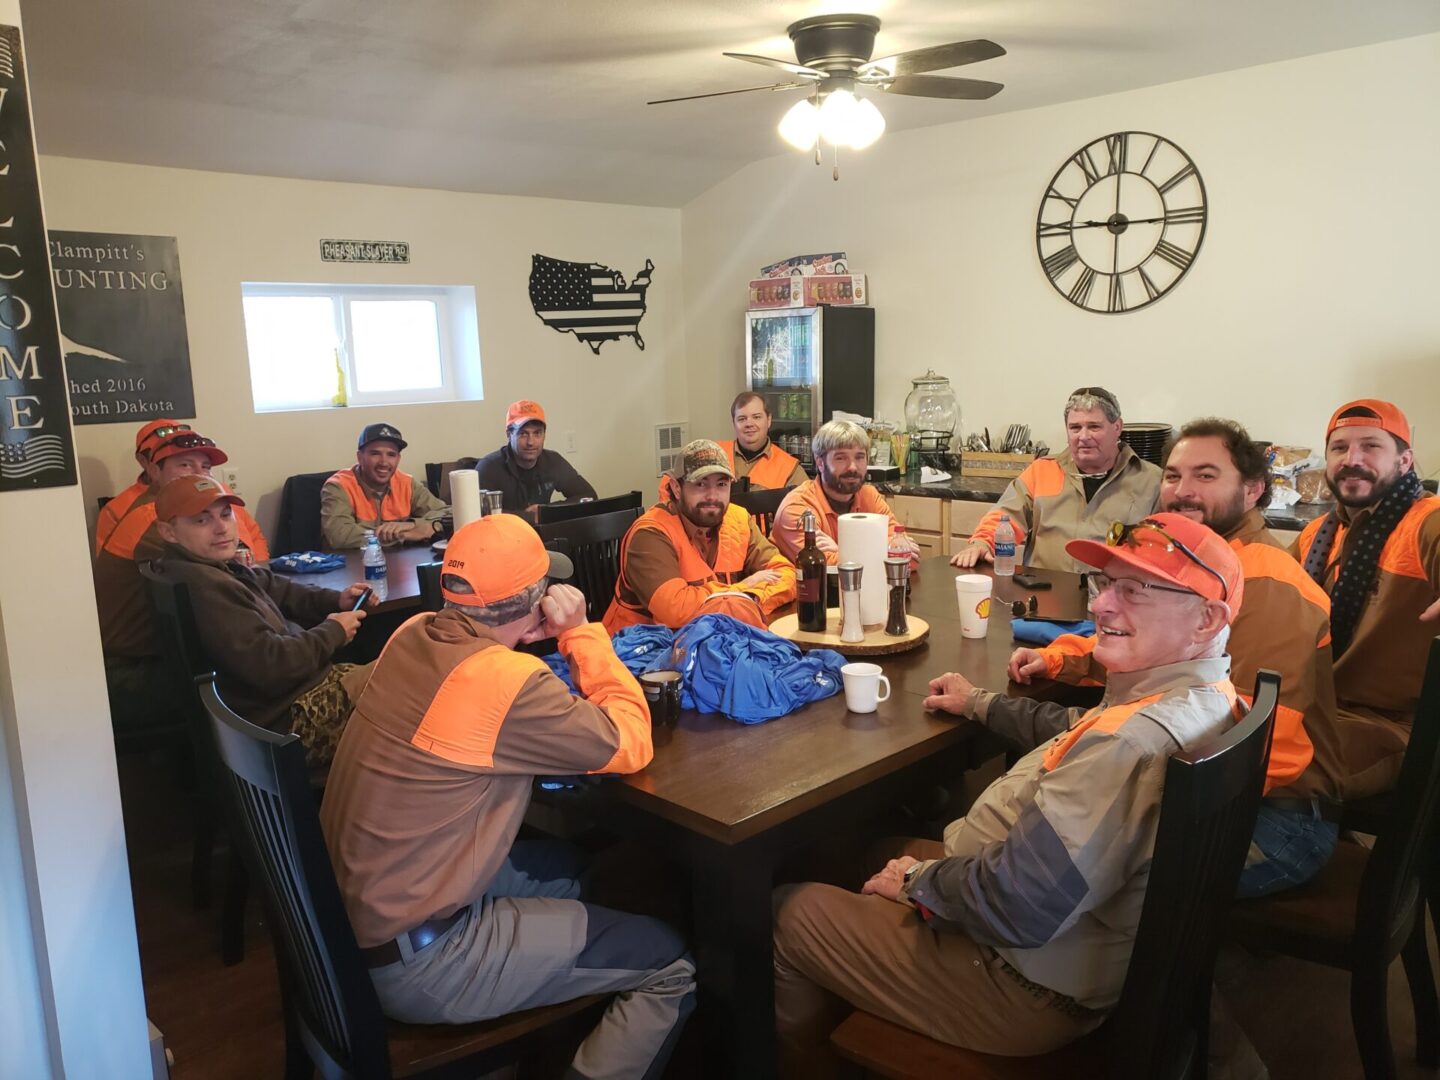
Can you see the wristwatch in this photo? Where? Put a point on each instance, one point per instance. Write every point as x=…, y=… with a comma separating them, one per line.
x=911, y=873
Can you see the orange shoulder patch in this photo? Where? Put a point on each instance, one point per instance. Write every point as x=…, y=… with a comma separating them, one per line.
x=463, y=721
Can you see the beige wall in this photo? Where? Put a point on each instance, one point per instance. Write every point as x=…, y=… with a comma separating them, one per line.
x=1316, y=282
x=242, y=228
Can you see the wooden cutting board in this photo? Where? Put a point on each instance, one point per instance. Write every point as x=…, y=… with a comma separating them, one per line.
x=877, y=642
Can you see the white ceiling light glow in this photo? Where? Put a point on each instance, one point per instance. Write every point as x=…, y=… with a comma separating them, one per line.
x=842, y=119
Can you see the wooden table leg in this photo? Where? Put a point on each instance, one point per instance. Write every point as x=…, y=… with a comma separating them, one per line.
x=734, y=958
x=944, y=526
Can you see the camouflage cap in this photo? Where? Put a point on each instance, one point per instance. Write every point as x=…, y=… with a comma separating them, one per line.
x=701, y=458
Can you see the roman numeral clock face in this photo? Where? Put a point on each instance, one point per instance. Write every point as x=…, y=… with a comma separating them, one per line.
x=1121, y=222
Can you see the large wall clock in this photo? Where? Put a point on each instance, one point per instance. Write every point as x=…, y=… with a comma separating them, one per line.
x=1121, y=222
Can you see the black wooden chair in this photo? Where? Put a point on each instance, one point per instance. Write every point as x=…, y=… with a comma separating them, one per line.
x=593, y=544
x=437, y=475
x=184, y=663
x=298, y=528
x=1368, y=905
x=333, y=1021
x=762, y=504
x=1159, y=1028
x=550, y=513
x=429, y=575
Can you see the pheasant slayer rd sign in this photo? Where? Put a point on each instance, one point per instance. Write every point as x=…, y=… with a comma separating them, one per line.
x=36, y=445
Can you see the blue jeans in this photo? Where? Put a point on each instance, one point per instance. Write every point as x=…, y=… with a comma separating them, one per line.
x=1289, y=848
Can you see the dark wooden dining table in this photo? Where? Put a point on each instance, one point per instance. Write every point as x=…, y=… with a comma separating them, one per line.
x=731, y=800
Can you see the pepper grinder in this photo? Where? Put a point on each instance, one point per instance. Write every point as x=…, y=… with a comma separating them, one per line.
x=897, y=576
x=851, y=629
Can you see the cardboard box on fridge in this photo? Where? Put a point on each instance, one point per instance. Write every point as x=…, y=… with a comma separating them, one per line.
x=837, y=289
x=776, y=293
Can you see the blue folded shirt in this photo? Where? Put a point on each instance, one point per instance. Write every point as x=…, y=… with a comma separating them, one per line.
x=1043, y=632
x=307, y=562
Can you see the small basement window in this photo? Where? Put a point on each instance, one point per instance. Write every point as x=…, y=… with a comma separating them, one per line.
x=328, y=346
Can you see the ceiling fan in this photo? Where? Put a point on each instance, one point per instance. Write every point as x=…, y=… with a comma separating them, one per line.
x=833, y=54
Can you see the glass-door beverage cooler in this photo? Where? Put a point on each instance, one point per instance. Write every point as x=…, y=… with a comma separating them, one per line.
x=807, y=363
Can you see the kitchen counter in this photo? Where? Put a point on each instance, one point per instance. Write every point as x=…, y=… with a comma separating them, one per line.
x=989, y=489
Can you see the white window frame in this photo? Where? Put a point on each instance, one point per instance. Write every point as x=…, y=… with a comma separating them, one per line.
x=341, y=297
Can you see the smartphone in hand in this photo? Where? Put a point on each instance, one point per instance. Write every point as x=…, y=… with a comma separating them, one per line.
x=362, y=599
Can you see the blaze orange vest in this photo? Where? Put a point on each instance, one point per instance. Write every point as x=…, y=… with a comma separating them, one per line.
x=394, y=507
x=114, y=511
x=771, y=471
x=731, y=552
x=126, y=535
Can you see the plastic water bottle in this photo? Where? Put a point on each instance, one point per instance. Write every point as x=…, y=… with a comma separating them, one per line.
x=375, y=569
x=1004, y=547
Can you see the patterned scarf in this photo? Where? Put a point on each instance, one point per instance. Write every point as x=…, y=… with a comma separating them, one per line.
x=1357, y=575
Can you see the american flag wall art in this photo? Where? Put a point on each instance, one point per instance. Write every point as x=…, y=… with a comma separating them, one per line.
x=589, y=300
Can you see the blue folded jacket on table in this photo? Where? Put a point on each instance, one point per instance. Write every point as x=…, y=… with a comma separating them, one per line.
x=1043, y=632
x=307, y=562
x=746, y=673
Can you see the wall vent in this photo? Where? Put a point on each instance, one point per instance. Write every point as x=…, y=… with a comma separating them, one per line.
x=670, y=439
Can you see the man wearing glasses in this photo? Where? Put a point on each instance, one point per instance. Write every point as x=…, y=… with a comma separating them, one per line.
x=1215, y=474
x=1014, y=936
x=1378, y=556
x=1077, y=493
x=125, y=534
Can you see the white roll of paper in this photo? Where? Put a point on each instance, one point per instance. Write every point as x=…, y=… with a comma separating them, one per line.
x=864, y=538
x=465, y=496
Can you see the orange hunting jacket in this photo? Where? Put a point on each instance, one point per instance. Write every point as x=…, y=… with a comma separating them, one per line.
x=773, y=469
x=434, y=772
x=686, y=591
x=1385, y=663
x=1284, y=624
x=788, y=534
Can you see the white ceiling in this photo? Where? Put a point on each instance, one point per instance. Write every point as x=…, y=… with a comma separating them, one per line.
x=547, y=97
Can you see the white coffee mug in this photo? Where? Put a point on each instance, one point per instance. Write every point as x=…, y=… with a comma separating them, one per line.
x=862, y=687
x=972, y=592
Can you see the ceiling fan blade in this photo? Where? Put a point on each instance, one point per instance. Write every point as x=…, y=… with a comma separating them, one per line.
x=938, y=86
x=783, y=65
x=726, y=93
x=934, y=58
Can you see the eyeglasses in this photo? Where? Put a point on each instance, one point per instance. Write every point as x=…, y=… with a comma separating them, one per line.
x=1145, y=532
x=190, y=442
x=1130, y=590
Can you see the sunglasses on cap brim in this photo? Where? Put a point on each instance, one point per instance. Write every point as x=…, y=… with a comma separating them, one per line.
x=1149, y=532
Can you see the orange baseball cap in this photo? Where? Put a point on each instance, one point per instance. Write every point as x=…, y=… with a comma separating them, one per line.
x=1371, y=412
x=495, y=558
x=156, y=432
x=188, y=442
x=522, y=412
x=188, y=495
x=1185, y=553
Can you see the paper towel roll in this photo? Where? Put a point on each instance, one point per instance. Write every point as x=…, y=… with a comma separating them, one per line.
x=465, y=496
x=864, y=538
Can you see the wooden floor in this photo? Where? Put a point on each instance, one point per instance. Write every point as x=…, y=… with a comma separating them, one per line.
x=224, y=1023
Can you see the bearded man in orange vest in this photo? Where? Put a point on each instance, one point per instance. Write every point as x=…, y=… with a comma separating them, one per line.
x=373, y=495
x=125, y=535
x=752, y=455
x=696, y=554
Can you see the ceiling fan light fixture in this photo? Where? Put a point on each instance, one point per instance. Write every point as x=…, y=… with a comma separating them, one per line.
x=837, y=117
x=867, y=125
x=800, y=126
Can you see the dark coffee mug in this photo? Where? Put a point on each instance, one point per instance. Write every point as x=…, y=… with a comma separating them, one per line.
x=662, y=694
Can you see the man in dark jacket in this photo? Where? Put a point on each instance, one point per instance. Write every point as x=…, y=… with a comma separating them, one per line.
x=523, y=471
x=270, y=639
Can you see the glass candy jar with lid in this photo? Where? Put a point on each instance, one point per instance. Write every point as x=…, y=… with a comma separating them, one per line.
x=930, y=407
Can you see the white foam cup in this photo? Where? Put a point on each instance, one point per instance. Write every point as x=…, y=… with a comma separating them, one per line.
x=972, y=592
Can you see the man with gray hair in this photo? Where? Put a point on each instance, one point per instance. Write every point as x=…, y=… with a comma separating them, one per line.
x=1077, y=494
x=842, y=458
x=456, y=919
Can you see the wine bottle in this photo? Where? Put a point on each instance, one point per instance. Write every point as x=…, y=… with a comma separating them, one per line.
x=810, y=571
